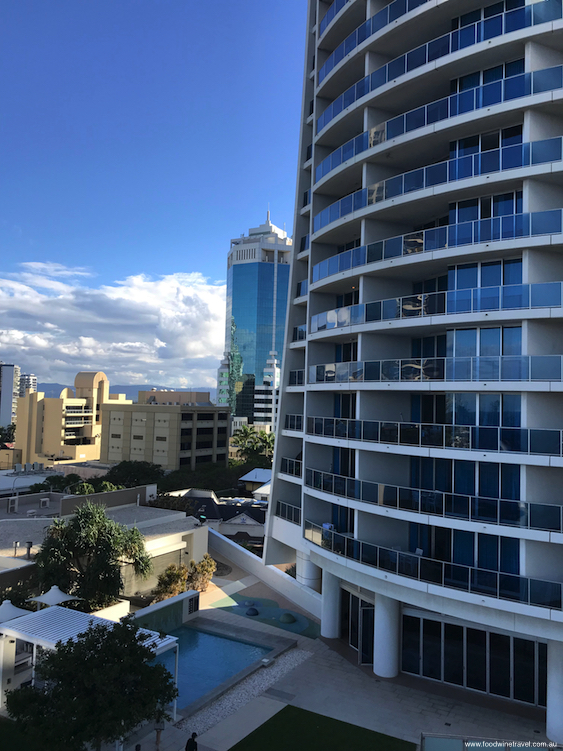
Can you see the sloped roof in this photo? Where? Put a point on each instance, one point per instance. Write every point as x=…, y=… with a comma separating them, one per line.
x=257, y=475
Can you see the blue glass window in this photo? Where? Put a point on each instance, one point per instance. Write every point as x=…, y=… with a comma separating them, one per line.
x=513, y=271
x=512, y=340
x=466, y=276
x=466, y=343
x=463, y=548
x=470, y=81
x=511, y=410
x=489, y=479
x=510, y=482
x=512, y=136
x=491, y=274
x=468, y=211
x=489, y=342
x=492, y=74
x=488, y=552
x=489, y=409
x=514, y=68
x=465, y=409
x=503, y=204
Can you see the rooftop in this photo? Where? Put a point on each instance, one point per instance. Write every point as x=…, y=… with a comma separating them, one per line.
x=257, y=475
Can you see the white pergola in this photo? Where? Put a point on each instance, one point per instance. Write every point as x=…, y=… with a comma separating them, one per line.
x=45, y=628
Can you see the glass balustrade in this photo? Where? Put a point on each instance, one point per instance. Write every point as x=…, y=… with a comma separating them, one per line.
x=539, y=516
x=439, y=238
x=299, y=333
x=481, y=31
x=462, y=168
x=293, y=422
x=330, y=15
x=291, y=466
x=296, y=377
x=496, y=584
x=413, y=369
x=427, y=435
x=503, y=90
x=288, y=512
x=302, y=288
x=475, y=300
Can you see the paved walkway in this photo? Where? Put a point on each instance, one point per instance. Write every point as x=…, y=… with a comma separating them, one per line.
x=327, y=683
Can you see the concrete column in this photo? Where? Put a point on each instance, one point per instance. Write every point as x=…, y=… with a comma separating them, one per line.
x=307, y=572
x=330, y=608
x=554, y=713
x=386, y=636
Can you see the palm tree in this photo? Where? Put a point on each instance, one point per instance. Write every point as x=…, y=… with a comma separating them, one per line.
x=245, y=439
x=266, y=442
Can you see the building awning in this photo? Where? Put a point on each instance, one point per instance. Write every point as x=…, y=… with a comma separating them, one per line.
x=45, y=628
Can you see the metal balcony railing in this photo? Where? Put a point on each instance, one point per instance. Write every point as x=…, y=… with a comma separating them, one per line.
x=462, y=168
x=293, y=422
x=291, y=466
x=525, y=515
x=542, y=441
x=501, y=586
x=439, y=238
x=473, y=300
x=416, y=369
x=288, y=512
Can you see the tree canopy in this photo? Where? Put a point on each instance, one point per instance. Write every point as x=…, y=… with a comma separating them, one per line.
x=7, y=434
x=93, y=690
x=255, y=447
x=83, y=556
x=131, y=474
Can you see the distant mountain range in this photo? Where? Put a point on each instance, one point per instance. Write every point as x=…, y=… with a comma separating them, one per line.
x=131, y=392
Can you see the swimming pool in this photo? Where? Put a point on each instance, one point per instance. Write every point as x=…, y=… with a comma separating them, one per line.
x=207, y=660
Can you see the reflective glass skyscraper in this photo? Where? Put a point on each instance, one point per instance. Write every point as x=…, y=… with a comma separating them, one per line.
x=257, y=287
x=419, y=463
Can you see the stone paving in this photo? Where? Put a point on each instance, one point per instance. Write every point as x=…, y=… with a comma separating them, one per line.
x=327, y=683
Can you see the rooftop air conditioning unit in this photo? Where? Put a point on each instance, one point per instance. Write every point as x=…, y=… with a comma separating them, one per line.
x=12, y=505
x=44, y=503
x=35, y=466
x=17, y=467
x=193, y=603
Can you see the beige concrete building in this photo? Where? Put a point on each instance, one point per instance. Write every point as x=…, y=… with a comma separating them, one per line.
x=174, y=398
x=173, y=436
x=67, y=428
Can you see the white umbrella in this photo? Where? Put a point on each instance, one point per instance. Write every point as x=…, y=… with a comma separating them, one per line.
x=9, y=611
x=54, y=596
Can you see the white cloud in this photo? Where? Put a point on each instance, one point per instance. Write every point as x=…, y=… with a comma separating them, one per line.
x=167, y=330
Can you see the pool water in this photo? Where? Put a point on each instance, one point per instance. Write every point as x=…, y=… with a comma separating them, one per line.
x=206, y=661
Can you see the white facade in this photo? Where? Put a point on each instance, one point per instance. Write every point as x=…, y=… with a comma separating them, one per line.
x=9, y=392
x=28, y=382
x=418, y=467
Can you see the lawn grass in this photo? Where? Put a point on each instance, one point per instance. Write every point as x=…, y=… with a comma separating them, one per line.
x=299, y=730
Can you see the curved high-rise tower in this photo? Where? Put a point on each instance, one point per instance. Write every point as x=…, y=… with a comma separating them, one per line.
x=419, y=464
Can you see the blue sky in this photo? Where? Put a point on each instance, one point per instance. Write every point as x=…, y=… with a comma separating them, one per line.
x=136, y=138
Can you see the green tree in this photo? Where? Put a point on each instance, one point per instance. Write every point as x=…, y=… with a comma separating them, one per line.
x=57, y=483
x=266, y=443
x=200, y=574
x=7, y=434
x=83, y=556
x=171, y=582
x=132, y=474
x=97, y=689
x=245, y=440
x=84, y=488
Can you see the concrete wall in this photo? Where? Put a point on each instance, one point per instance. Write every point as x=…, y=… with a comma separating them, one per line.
x=114, y=612
x=114, y=498
x=168, y=615
x=279, y=581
